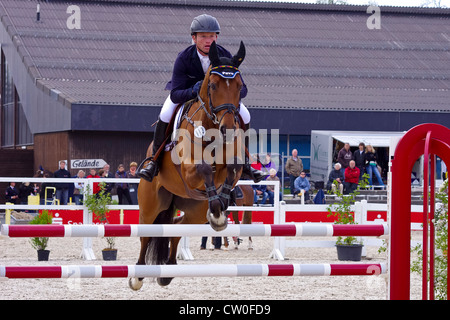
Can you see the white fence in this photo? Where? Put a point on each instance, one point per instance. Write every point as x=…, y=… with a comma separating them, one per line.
x=87, y=252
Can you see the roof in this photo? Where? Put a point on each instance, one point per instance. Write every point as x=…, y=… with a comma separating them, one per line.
x=299, y=56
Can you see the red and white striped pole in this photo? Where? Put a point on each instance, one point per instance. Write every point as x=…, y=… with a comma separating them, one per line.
x=271, y=230
x=213, y=270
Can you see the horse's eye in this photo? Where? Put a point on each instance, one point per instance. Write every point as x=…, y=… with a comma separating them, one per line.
x=213, y=86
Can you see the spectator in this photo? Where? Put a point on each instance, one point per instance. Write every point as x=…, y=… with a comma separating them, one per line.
x=12, y=194
x=257, y=165
x=37, y=186
x=358, y=156
x=133, y=187
x=62, y=189
x=122, y=188
x=79, y=188
x=270, y=188
x=302, y=186
x=336, y=175
x=371, y=165
x=132, y=172
x=294, y=167
x=100, y=186
x=260, y=190
x=25, y=190
x=344, y=156
x=95, y=185
x=267, y=165
x=351, y=177
x=108, y=186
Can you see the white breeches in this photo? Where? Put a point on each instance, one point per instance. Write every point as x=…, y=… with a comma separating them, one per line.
x=168, y=110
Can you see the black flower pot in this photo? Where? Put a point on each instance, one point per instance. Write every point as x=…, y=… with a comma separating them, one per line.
x=351, y=252
x=43, y=255
x=109, y=254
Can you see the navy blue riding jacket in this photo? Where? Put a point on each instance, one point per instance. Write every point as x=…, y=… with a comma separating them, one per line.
x=187, y=71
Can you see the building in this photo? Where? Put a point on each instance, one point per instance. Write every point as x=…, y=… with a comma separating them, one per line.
x=87, y=82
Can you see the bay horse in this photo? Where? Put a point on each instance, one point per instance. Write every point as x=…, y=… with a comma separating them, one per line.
x=198, y=175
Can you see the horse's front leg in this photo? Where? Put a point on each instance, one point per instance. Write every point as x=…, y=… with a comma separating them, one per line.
x=216, y=214
x=233, y=170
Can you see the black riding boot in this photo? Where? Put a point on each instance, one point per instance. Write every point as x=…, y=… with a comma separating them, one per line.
x=248, y=170
x=152, y=168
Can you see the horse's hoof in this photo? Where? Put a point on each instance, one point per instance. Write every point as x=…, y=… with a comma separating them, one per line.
x=218, y=224
x=135, y=283
x=164, y=281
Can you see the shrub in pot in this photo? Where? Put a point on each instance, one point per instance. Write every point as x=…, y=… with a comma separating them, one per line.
x=40, y=243
x=348, y=248
x=98, y=204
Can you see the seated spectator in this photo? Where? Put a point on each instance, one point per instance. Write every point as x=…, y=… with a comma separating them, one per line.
x=270, y=188
x=260, y=190
x=351, y=177
x=302, y=186
x=336, y=175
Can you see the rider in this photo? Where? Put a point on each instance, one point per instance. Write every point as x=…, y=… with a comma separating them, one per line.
x=188, y=74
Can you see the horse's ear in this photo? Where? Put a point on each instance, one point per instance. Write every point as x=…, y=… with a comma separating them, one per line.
x=214, y=55
x=240, y=56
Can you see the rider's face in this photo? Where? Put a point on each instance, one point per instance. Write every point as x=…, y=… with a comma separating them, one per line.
x=203, y=41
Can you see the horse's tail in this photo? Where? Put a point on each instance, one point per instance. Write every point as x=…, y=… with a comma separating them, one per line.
x=158, y=247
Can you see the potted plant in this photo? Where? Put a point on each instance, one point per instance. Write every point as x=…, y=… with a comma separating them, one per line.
x=348, y=248
x=40, y=244
x=98, y=204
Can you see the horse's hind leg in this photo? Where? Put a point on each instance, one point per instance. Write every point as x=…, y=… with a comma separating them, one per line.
x=172, y=260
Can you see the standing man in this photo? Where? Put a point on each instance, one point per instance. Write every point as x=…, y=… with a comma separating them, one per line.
x=294, y=166
x=345, y=156
x=62, y=189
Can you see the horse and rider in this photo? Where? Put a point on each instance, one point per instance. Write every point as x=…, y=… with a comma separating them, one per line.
x=188, y=74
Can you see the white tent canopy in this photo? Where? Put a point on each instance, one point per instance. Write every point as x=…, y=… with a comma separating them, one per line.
x=376, y=139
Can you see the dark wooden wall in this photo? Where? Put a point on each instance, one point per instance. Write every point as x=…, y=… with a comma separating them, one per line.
x=49, y=149
x=15, y=163
x=113, y=147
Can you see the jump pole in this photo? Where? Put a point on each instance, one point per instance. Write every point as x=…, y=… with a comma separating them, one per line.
x=212, y=270
x=139, y=230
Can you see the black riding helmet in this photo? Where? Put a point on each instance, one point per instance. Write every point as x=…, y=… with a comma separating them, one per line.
x=205, y=23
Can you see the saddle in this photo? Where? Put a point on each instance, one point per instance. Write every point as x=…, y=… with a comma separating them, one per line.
x=180, y=111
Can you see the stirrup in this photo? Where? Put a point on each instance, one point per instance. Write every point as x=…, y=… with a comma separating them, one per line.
x=258, y=175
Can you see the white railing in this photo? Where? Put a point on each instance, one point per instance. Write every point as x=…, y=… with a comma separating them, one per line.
x=87, y=252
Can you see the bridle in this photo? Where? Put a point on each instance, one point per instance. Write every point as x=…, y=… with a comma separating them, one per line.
x=222, y=71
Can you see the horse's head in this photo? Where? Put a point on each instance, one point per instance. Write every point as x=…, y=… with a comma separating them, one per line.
x=224, y=88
